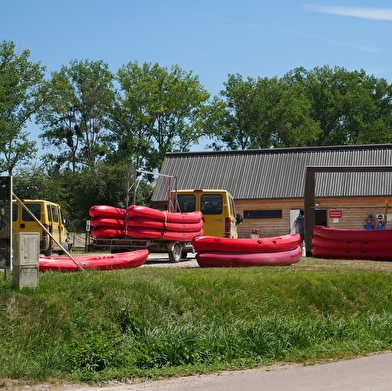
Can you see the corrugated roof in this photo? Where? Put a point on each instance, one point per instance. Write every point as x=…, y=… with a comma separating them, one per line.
x=280, y=172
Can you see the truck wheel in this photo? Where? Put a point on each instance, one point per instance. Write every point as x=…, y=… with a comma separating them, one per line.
x=175, y=252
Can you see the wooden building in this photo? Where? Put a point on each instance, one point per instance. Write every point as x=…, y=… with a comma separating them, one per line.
x=268, y=185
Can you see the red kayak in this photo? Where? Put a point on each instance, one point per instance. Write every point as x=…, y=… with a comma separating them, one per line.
x=362, y=245
x=99, y=262
x=165, y=216
x=261, y=245
x=107, y=211
x=373, y=255
x=160, y=225
x=352, y=234
x=140, y=232
x=226, y=259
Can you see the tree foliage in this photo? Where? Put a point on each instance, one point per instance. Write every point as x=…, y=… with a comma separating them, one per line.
x=104, y=184
x=36, y=183
x=21, y=95
x=264, y=113
x=157, y=111
x=74, y=117
x=351, y=107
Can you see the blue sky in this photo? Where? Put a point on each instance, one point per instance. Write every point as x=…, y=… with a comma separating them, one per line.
x=256, y=38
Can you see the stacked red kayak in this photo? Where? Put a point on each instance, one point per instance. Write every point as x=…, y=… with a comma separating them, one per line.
x=143, y=222
x=337, y=243
x=227, y=252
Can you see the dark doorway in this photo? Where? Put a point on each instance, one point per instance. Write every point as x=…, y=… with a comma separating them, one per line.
x=320, y=217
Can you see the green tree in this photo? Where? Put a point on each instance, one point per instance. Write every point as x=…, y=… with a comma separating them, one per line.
x=351, y=107
x=157, y=111
x=104, y=184
x=264, y=113
x=35, y=183
x=74, y=117
x=21, y=83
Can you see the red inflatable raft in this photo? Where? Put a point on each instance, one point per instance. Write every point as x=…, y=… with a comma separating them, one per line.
x=352, y=234
x=141, y=232
x=374, y=255
x=362, y=245
x=107, y=211
x=164, y=216
x=337, y=243
x=99, y=262
x=227, y=259
x=108, y=232
x=160, y=225
x=261, y=245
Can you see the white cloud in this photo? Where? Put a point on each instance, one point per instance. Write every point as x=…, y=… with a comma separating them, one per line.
x=369, y=13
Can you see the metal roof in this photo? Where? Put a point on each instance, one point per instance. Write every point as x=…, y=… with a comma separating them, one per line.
x=279, y=173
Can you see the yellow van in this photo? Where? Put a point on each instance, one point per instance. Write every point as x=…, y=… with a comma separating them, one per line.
x=217, y=207
x=50, y=216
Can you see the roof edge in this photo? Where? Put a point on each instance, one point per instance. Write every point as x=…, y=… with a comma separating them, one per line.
x=283, y=150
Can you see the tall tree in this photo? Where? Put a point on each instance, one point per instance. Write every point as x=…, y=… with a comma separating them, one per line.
x=351, y=107
x=74, y=117
x=157, y=111
x=20, y=97
x=264, y=113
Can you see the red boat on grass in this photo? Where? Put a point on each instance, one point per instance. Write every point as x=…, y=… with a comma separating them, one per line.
x=257, y=245
x=337, y=243
x=352, y=234
x=226, y=259
x=96, y=262
x=229, y=252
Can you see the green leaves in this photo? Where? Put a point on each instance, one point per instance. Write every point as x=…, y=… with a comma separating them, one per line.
x=20, y=97
x=157, y=111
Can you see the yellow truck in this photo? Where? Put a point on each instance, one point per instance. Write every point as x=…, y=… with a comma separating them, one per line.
x=50, y=216
x=217, y=206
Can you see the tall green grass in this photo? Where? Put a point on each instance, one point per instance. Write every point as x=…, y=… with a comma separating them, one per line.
x=155, y=322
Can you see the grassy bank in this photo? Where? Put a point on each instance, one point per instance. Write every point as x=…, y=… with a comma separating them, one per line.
x=152, y=322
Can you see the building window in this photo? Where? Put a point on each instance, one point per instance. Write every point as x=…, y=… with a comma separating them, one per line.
x=263, y=214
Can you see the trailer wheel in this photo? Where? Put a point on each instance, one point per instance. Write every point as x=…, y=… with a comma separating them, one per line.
x=175, y=252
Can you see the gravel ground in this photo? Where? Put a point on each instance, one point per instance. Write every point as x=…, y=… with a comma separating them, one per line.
x=162, y=260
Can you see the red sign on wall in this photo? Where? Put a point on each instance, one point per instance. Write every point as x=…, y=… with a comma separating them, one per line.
x=335, y=214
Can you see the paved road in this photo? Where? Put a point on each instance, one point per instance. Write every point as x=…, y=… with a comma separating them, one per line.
x=162, y=260
x=371, y=373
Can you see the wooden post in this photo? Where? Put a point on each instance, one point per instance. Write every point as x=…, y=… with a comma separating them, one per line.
x=309, y=203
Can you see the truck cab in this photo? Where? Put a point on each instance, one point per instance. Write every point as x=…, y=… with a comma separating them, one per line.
x=50, y=216
x=217, y=206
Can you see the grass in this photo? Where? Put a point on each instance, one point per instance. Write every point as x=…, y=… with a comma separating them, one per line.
x=158, y=322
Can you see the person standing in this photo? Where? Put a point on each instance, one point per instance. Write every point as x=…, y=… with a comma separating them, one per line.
x=299, y=224
x=368, y=223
